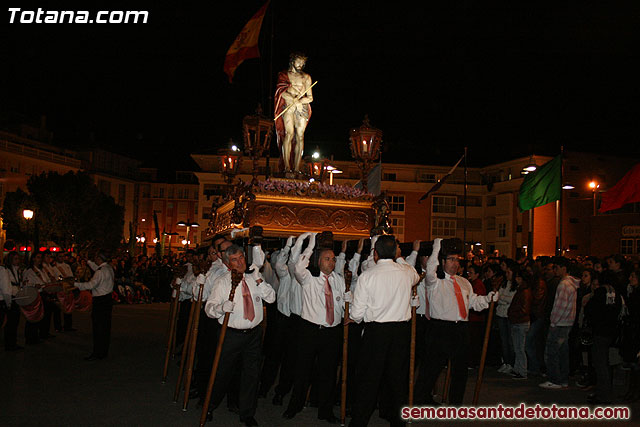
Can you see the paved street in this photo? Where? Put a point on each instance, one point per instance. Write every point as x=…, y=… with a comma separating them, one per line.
x=49, y=384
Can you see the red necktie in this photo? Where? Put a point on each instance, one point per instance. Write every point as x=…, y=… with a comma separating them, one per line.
x=461, y=307
x=328, y=300
x=247, y=302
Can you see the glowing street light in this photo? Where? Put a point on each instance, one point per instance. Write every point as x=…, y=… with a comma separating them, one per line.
x=27, y=214
x=189, y=226
x=593, y=185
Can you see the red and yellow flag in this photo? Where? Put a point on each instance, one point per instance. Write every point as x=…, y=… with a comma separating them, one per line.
x=246, y=44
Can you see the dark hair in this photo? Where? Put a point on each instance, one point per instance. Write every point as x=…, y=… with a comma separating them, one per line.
x=9, y=259
x=562, y=262
x=294, y=55
x=386, y=247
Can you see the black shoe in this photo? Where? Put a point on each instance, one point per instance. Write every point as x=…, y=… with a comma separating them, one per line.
x=249, y=421
x=289, y=414
x=277, y=400
x=330, y=418
x=44, y=337
x=233, y=408
x=58, y=330
x=70, y=329
x=209, y=415
x=32, y=342
x=193, y=393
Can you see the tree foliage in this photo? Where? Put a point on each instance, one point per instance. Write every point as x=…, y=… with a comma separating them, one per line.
x=71, y=210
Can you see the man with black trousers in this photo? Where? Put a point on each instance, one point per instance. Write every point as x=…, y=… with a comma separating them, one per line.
x=319, y=332
x=450, y=298
x=244, y=334
x=382, y=299
x=101, y=286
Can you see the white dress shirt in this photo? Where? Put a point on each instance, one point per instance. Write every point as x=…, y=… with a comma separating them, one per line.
x=35, y=276
x=443, y=303
x=101, y=283
x=383, y=293
x=295, y=290
x=64, y=269
x=52, y=270
x=313, y=297
x=217, y=269
x=5, y=285
x=220, y=294
x=187, y=283
x=284, y=278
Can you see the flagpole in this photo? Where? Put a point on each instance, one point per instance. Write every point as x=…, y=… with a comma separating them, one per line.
x=559, y=207
x=464, y=224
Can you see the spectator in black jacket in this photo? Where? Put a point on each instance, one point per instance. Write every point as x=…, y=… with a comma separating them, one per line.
x=602, y=313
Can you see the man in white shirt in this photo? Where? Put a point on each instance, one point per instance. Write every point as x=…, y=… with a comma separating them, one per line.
x=319, y=331
x=10, y=280
x=450, y=298
x=382, y=299
x=244, y=334
x=101, y=286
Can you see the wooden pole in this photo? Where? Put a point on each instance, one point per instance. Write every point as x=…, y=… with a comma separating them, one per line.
x=483, y=357
x=192, y=348
x=447, y=382
x=412, y=349
x=172, y=332
x=185, y=351
x=236, y=277
x=345, y=348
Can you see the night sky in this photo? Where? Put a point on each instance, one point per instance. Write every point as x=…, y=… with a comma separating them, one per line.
x=503, y=78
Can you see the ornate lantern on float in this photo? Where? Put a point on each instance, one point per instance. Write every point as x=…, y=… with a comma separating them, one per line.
x=317, y=167
x=230, y=159
x=257, y=130
x=365, y=147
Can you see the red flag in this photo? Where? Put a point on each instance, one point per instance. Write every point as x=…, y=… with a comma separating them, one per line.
x=627, y=190
x=246, y=44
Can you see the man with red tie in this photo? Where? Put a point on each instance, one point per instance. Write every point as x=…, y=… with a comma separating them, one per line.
x=244, y=334
x=450, y=298
x=319, y=333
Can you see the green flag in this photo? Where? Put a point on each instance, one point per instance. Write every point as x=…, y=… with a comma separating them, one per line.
x=542, y=186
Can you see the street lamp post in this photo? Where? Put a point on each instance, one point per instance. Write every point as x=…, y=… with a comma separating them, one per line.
x=365, y=147
x=594, y=188
x=27, y=214
x=189, y=226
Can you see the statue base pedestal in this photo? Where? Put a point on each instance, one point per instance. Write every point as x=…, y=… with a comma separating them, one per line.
x=285, y=207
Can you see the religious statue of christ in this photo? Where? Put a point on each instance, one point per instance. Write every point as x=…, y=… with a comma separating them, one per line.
x=292, y=111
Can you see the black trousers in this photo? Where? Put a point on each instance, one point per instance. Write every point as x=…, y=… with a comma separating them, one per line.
x=274, y=348
x=208, y=331
x=384, y=356
x=320, y=347
x=11, y=328
x=420, y=393
x=448, y=341
x=289, y=348
x=240, y=347
x=50, y=307
x=101, y=324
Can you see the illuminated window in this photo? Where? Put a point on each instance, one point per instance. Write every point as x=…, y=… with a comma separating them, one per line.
x=443, y=227
x=396, y=203
x=626, y=246
x=398, y=227
x=444, y=204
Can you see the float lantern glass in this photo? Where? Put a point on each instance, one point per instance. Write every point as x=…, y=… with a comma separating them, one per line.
x=257, y=130
x=229, y=164
x=365, y=147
